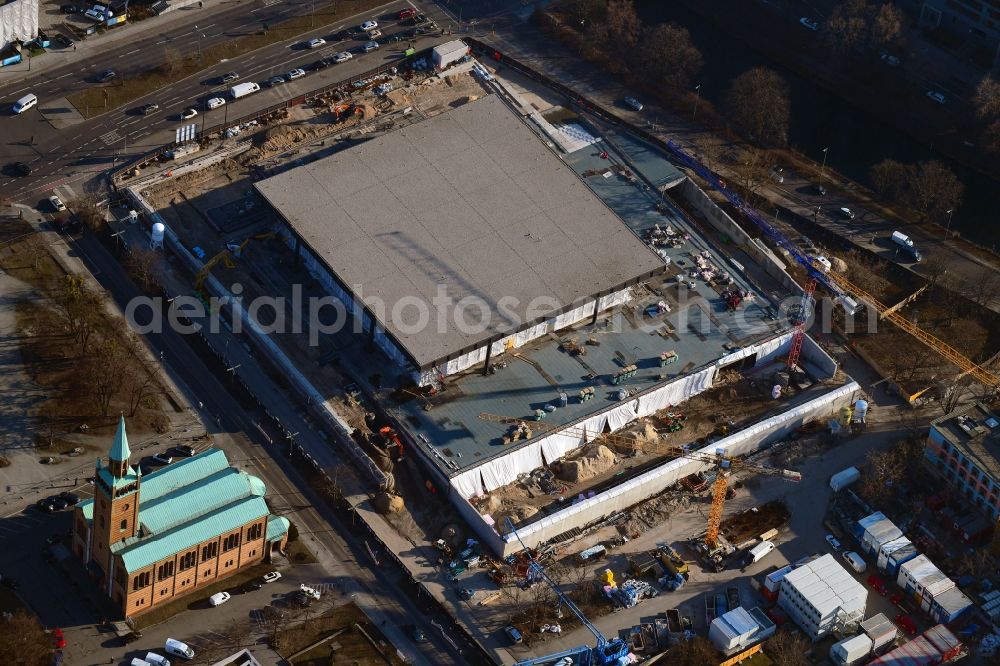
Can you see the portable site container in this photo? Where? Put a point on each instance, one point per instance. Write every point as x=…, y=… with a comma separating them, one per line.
x=918, y=567
x=851, y=650
x=947, y=606
x=844, y=478
x=900, y=557
x=732, y=630
x=445, y=54
x=944, y=640
x=772, y=583
x=887, y=549
x=879, y=533
x=880, y=630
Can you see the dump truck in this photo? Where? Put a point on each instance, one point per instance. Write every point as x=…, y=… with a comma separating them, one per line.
x=672, y=561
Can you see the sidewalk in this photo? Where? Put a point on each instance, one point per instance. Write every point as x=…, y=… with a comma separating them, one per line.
x=85, y=48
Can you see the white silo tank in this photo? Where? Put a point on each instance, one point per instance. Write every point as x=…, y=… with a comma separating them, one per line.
x=156, y=235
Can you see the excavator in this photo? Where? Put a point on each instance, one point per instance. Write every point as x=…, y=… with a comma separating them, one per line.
x=226, y=255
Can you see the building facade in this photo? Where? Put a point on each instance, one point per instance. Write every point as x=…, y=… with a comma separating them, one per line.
x=149, y=539
x=963, y=448
x=974, y=20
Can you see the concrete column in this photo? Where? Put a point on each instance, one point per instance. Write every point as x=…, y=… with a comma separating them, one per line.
x=593, y=319
x=489, y=353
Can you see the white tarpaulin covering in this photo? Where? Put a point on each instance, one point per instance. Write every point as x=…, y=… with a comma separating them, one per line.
x=769, y=350
x=469, y=483
x=500, y=471
x=557, y=445
x=18, y=20
x=676, y=392
x=622, y=415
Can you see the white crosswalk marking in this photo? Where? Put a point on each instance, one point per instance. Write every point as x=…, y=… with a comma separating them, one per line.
x=65, y=192
x=111, y=137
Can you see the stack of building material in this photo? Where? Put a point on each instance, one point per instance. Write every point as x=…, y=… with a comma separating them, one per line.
x=733, y=631
x=880, y=630
x=876, y=531
x=991, y=605
x=821, y=595
x=893, y=554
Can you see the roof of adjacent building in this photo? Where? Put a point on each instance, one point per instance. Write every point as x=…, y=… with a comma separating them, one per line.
x=472, y=201
x=974, y=431
x=827, y=586
x=277, y=528
x=186, y=503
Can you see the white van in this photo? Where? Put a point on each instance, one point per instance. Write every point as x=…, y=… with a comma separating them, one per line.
x=854, y=561
x=178, y=649
x=25, y=103
x=243, y=89
x=901, y=239
x=139, y=662
x=156, y=660
x=758, y=552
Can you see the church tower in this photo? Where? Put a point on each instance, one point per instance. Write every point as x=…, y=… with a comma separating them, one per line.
x=116, y=505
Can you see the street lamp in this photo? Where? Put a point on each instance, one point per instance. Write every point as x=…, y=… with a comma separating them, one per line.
x=697, y=97
x=822, y=169
x=947, y=231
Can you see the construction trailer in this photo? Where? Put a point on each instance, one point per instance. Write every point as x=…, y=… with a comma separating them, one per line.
x=894, y=554
x=948, y=606
x=922, y=580
x=876, y=531
x=880, y=630
x=850, y=651
x=937, y=645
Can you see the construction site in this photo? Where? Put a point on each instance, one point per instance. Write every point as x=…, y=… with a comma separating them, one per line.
x=639, y=324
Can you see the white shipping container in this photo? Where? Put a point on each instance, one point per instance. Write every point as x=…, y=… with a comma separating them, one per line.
x=445, y=54
x=845, y=477
x=880, y=630
x=851, y=650
x=917, y=567
x=773, y=580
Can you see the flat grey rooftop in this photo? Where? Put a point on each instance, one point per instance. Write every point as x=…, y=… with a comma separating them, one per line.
x=470, y=200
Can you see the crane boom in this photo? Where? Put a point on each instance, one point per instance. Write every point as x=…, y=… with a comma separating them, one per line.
x=836, y=284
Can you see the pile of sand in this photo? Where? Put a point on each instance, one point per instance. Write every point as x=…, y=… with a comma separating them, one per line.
x=594, y=463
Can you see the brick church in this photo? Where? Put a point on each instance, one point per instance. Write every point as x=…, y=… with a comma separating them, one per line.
x=149, y=539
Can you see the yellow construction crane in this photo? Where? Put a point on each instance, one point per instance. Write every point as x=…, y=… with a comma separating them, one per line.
x=226, y=255
x=723, y=464
x=978, y=372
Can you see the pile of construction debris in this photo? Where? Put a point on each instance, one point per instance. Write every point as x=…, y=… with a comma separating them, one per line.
x=653, y=512
x=594, y=462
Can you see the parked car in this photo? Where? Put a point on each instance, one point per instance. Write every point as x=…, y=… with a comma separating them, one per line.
x=219, y=598
x=633, y=103
x=131, y=637
x=819, y=189
x=466, y=593
x=854, y=561
x=846, y=213
x=419, y=18
x=296, y=73
x=62, y=41
x=343, y=56
x=106, y=75
x=832, y=540
x=878, y=585
x=188, y=114
x=322, y=63
x=343, y=35
x=275, y=81
x=809, y=23
x=316, y=42
x=215, y=103
x=72, y=498
x=936, y=96
x=69, y=9
x=229, y=76
x=369, y=47
x=57, y=203
x=251, y=586
x=374, y=34
x=906, y=623
x=310, y=592
x=409, y=12
x=368, y=26
x=271, y=576
x=184, y=450
x=46, y=505
x=301, y=600
x=22, y=169
x=513, y=635
x=163, y=458
x=272, y=613
x=149, y=108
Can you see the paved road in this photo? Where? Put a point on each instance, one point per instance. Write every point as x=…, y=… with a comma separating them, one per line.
x=64, y=149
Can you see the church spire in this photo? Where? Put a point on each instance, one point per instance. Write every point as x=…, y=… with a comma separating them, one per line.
x=120, y=452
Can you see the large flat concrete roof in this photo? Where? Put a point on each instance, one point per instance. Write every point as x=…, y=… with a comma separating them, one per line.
x=471, y=200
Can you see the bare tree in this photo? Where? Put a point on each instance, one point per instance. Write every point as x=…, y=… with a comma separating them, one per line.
x=753, y=170
x=987, y=98
x=887, y=24
x=935, y=189
x=982, y=289
x=143, y=267
x=88, y=213
x=934, y=269
x=758, y=102
x=624, y=26
x=666, y=57
x=890, y=179
x=695, y=652
x=80, y=310
x=36, y=249
x=23, y=641
x=787, y=649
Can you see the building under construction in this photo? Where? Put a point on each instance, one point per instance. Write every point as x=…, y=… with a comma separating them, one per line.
x=615, y=308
